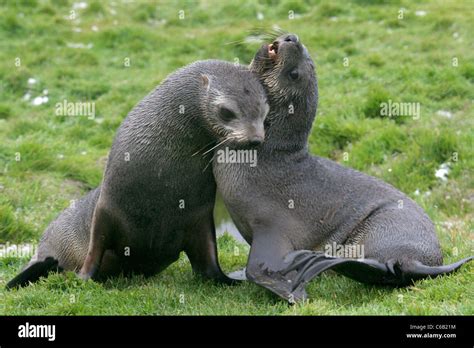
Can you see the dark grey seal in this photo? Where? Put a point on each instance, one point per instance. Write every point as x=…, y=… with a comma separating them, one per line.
x=158, y=192
x=292, y=205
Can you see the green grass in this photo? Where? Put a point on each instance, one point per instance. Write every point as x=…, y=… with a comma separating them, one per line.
x=408, y=60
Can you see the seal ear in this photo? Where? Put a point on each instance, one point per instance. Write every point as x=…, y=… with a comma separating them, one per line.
x=205, y=81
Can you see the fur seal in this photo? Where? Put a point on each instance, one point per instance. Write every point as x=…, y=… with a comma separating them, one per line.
x=291, y=205
x=158, y=191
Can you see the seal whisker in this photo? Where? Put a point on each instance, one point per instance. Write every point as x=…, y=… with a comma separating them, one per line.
x=218, y=144
x=202, y=149
x=213, y=155
x=100, y=222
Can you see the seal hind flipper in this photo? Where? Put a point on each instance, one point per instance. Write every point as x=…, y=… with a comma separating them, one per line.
x=289, y=278
x=34, y=272
x=407, y=272
x=393, y=272
x=369, y=271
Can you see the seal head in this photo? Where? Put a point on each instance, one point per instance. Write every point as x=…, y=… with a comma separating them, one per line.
x=235, y=108
x=286, y=71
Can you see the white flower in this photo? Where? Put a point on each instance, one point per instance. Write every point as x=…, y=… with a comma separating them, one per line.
x=79, y=5
x=442, y=172
x=444, y=113
x=40, y=100
x=79, y=45
x=37, y=101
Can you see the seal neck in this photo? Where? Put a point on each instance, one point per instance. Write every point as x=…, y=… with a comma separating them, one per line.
x=289, y=122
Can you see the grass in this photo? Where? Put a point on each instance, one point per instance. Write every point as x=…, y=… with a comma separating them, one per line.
x=406, y=60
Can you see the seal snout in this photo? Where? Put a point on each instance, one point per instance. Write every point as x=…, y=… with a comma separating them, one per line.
x=291, y=38
x=274, y=47
x=256, y=135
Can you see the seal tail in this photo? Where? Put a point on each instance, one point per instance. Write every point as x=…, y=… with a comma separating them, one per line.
x=33, y=273
x=309, y=264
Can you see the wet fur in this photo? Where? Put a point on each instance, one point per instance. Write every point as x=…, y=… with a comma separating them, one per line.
x=137, y=204
x=332, y=203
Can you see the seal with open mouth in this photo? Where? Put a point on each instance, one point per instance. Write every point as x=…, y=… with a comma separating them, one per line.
x=292, y=205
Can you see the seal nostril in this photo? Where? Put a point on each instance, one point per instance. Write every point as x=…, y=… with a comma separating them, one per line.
x=291, y=38
x=255, y=141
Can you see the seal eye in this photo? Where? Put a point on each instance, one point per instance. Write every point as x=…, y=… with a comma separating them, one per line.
x=294, y=74
x=226, y=114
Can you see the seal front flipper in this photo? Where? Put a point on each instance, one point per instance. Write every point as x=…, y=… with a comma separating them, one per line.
x=267, y=267
x=201, y=249
x=309, y=264
x=287, y=273
x=34, y=272
x=102, y=227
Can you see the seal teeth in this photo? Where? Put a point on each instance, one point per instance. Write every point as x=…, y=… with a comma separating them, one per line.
x=273, y=49
x=275, y=46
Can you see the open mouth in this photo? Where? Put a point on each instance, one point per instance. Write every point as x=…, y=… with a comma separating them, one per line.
x=273, y=50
